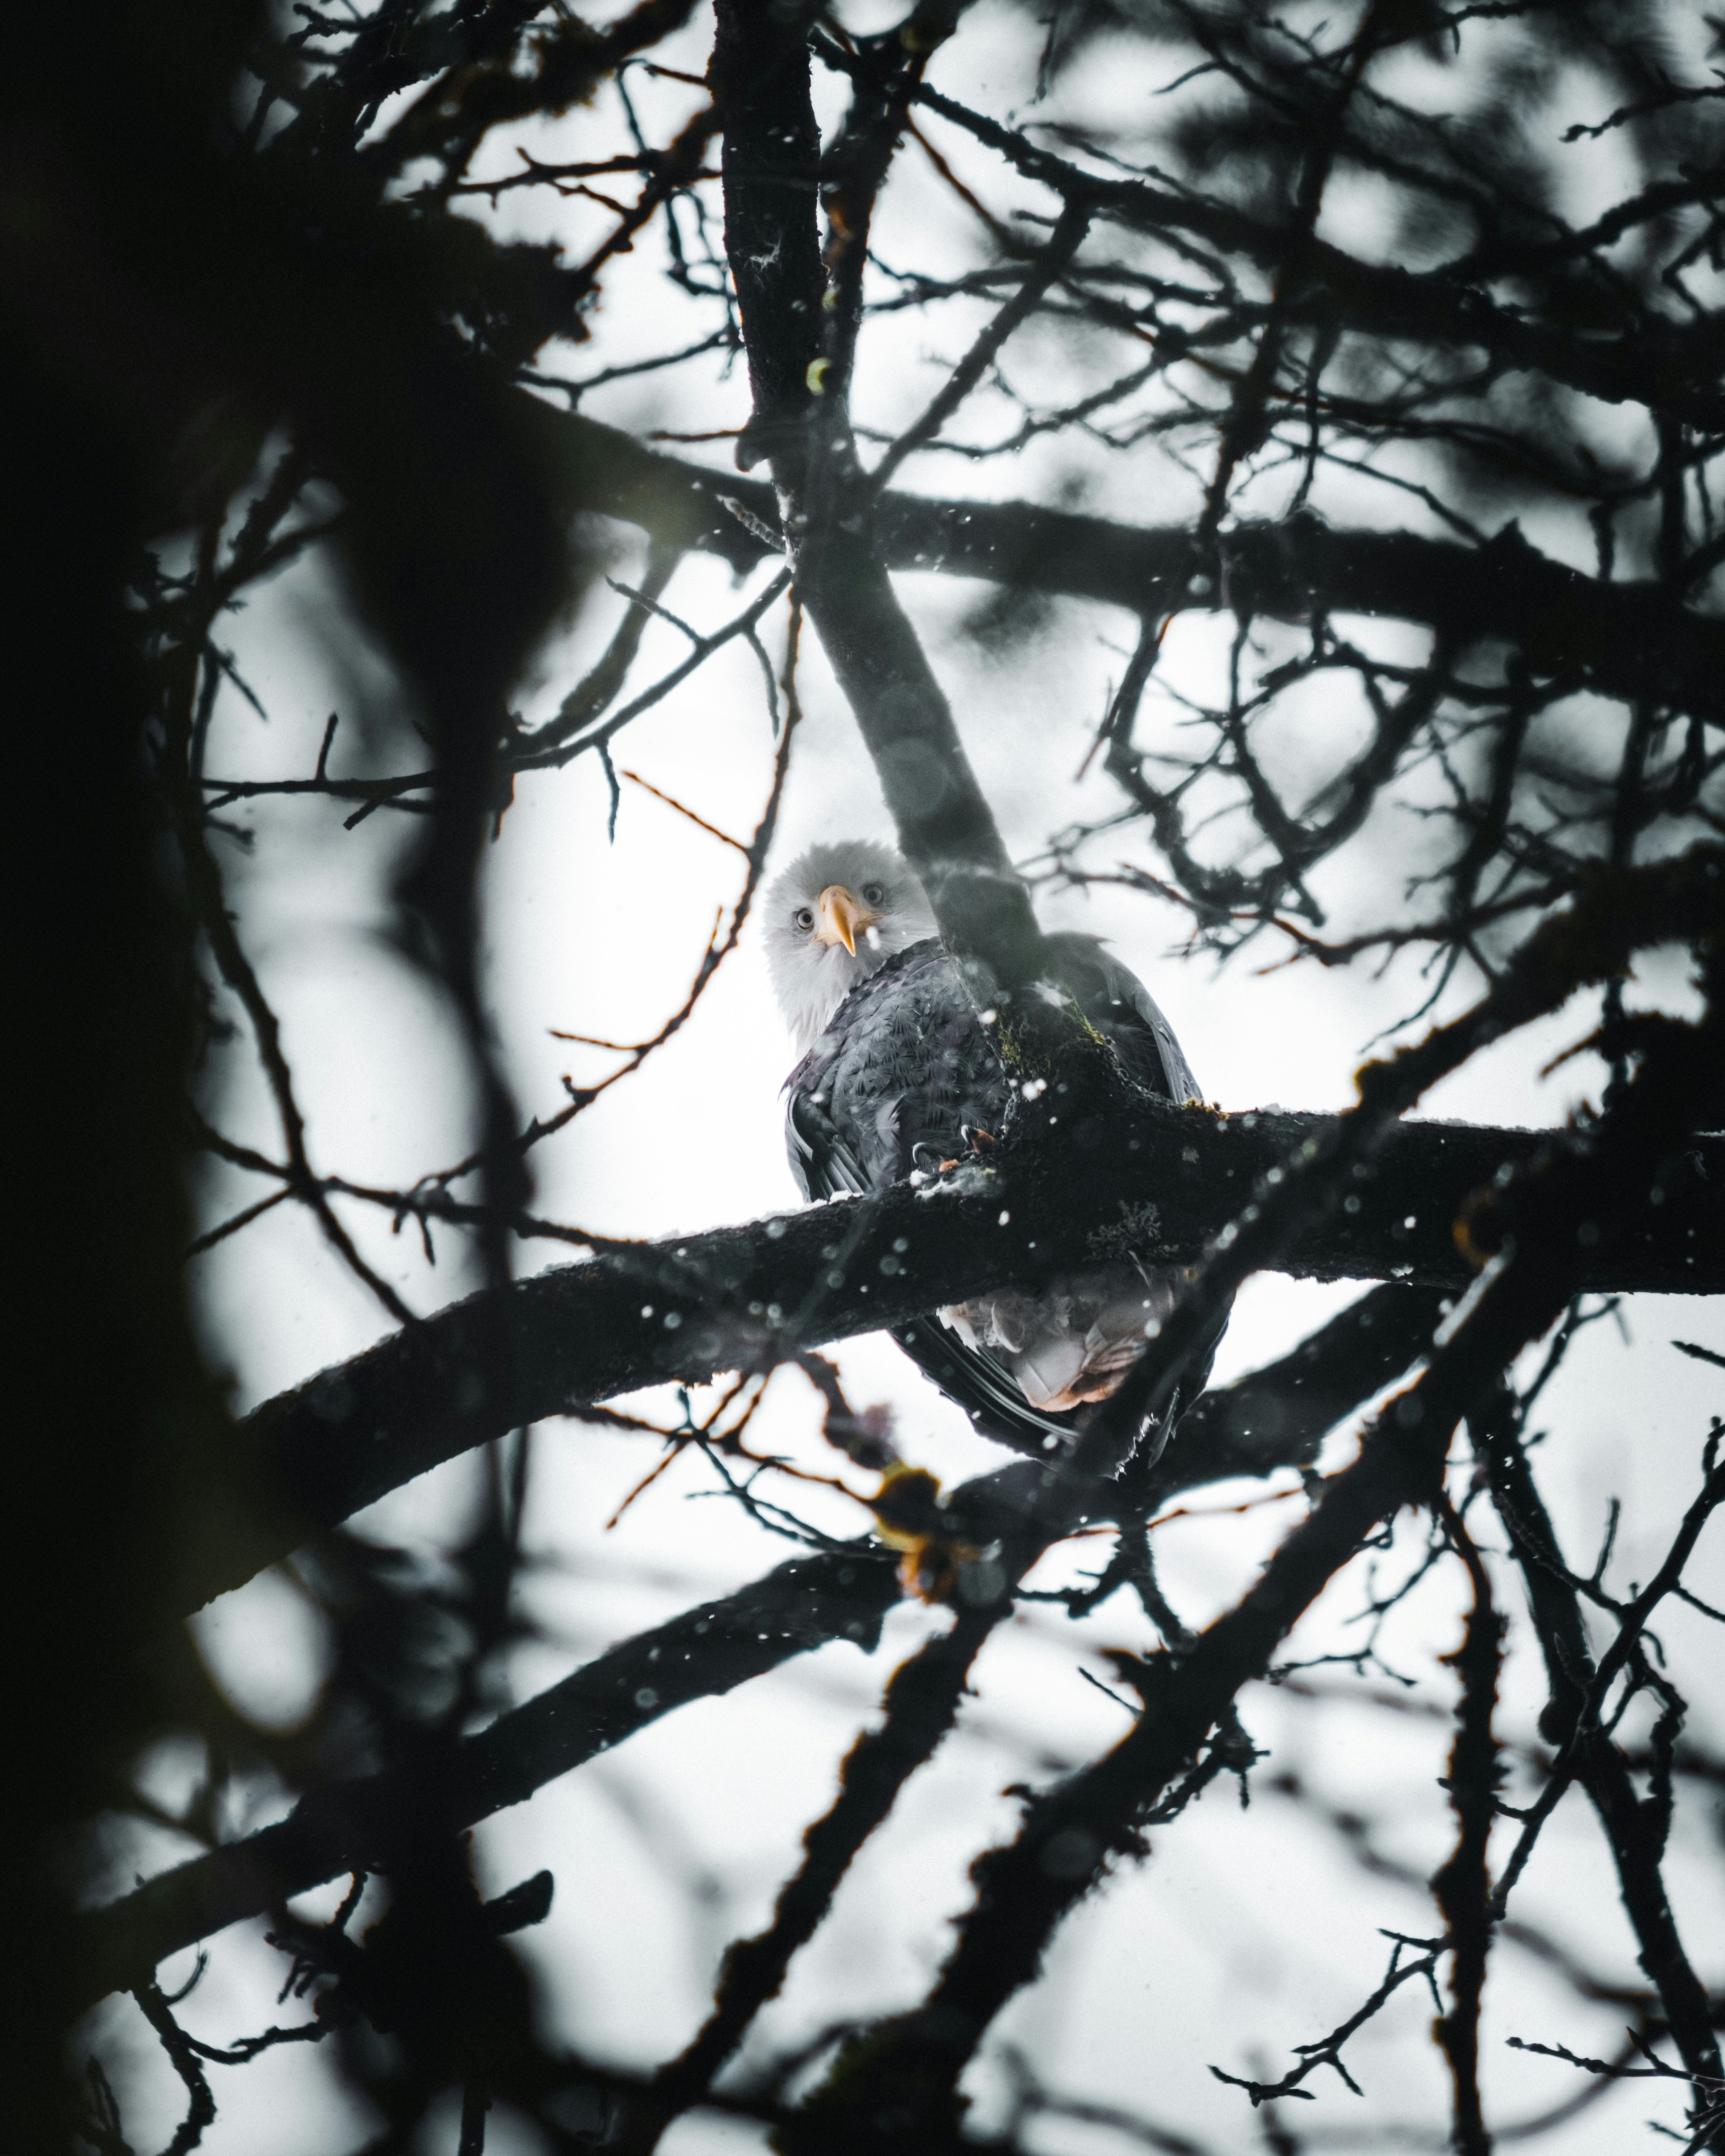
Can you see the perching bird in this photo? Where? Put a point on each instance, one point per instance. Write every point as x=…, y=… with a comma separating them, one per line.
x=899, y=1073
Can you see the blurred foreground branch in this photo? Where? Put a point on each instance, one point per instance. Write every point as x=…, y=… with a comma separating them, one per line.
x=1276, y=1416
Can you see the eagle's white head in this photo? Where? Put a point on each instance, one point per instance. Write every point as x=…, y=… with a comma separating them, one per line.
x=833, y=917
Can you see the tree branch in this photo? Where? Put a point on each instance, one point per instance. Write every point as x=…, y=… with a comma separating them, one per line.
x=824, y=500
x=705, y=1652
x=1623, y=638
x=1280, y=1413
x=906, y=2069
x=1156, y=1180
x=1633, y=1827
x=1278, y=1416
x=1462, y=1886
x=1662, y=364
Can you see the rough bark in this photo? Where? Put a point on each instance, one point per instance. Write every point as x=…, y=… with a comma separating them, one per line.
x=733, y=1298
x=824, y=502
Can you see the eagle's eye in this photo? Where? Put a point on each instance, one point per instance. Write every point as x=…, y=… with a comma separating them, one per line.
x=873, y=894
x=803, y=918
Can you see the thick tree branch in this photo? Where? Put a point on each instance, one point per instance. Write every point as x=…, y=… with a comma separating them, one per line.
x=1623, y=638
x=1158, y=1181
x=824, y=500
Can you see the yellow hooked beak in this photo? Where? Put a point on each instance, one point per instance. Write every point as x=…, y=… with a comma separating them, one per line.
x=840, y=918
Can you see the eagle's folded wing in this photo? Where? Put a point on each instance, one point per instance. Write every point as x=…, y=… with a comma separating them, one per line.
x=904, y=1069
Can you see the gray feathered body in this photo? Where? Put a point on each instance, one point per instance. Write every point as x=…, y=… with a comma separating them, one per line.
x=903, y=1065
x=905, y=1070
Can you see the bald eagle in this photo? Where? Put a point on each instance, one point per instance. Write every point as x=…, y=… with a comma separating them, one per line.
x=899, y=1074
